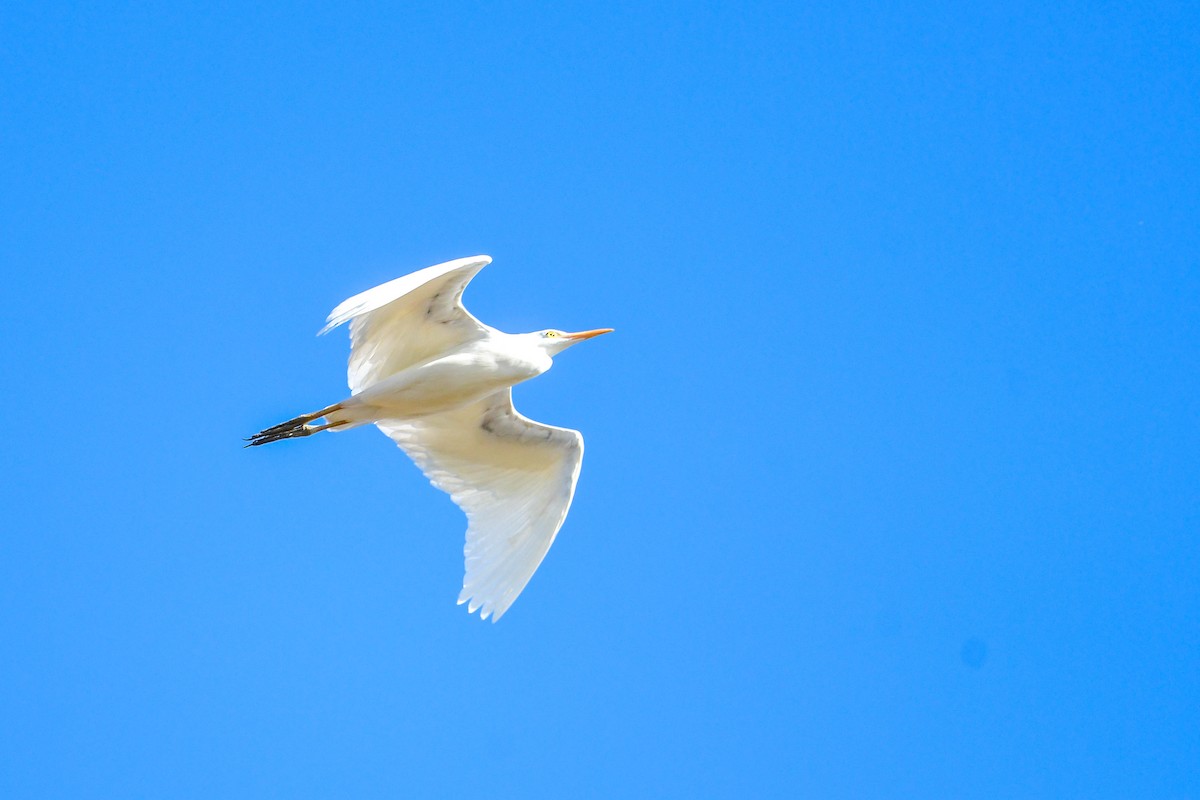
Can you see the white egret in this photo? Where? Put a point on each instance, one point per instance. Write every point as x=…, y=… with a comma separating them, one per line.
x=439, y=383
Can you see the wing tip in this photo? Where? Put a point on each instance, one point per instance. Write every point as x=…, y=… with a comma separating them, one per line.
x=467, y=261
x=485, y=609
x=345, y=311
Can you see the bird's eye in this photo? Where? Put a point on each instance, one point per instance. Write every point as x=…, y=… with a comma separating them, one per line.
x=549, y=334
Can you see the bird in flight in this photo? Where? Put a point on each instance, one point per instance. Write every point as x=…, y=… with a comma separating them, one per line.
x=439, y=383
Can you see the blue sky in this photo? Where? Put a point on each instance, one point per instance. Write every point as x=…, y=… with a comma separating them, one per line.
x=891, y=486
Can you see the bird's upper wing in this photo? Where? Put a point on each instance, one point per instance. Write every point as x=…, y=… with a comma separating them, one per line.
x=513, y=477
x=409, y=320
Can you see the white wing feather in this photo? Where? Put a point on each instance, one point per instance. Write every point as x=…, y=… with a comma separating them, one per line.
x=408, y=320
x=513, y=477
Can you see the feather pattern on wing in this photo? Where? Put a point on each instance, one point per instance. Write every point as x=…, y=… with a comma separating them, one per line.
x=513, y=477
x=408, y=320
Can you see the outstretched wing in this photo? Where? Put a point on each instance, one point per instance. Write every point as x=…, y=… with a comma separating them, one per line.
x=513, y=477
x=408, y=320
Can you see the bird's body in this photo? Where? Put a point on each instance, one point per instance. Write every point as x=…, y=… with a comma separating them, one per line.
x=464, y=375
x=438, y=382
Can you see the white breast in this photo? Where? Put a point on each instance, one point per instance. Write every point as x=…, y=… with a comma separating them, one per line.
x=467, y=375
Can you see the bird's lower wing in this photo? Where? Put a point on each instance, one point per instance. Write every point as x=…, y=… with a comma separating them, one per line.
x=513, y=477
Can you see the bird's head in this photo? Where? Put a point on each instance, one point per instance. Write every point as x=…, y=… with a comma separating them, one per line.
x=555, y=341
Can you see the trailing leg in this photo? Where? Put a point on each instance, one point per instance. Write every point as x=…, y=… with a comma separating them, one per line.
x=295, y=428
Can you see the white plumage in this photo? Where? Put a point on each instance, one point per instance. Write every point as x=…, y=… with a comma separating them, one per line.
x=438, y=382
